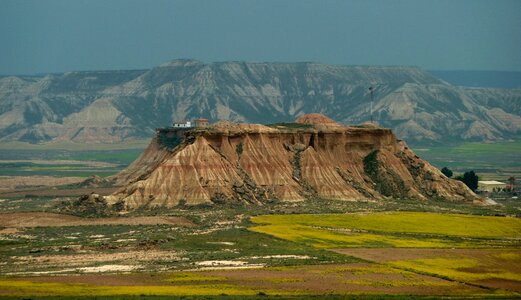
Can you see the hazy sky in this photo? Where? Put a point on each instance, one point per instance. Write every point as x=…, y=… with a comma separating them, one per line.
x=38, y=36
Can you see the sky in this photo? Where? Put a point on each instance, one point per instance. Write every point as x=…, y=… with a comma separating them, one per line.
x=46, y=36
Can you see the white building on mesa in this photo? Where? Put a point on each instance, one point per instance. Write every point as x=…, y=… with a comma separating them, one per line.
x=182, y=124
x=491, y=186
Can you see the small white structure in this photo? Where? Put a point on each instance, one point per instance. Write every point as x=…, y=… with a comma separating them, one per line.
x=182, y=124
x=491, y=186
x=201, y=122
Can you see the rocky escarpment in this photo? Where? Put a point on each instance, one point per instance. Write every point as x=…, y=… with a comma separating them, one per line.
x=256, y=164
x=115, y=106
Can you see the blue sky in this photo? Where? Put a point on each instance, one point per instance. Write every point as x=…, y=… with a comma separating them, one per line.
x=40, y=36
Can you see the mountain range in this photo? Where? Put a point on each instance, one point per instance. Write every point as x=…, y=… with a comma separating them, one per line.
x=494, y=79
x=114, y=106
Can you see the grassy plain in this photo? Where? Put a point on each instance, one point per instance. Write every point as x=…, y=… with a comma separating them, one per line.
x=490, y=262
x=225, y=252
x=284, y=249
x=406, y=222
x=492, y=161
x=65, y=163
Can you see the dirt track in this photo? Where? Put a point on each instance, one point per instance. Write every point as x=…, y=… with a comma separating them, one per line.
x=42, y=219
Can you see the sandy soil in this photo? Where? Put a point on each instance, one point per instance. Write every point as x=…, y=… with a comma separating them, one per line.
x=41, y=219
x=82, y=259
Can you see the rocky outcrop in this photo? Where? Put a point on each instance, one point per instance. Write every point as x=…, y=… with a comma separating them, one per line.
x=255, y=164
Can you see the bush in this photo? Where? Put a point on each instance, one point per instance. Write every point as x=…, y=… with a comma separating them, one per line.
x=470, y=179
x=447, y=172
x=239, y=149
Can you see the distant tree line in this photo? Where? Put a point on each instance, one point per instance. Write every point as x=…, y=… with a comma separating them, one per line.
x=469, y=178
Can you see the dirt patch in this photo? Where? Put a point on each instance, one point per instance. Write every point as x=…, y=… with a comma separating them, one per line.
x=9, y=231
x=83, y=259
x=42, y=219
x=511, y=285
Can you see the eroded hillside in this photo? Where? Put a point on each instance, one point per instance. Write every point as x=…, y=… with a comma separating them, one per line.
x=250, y=163
x=114, y=106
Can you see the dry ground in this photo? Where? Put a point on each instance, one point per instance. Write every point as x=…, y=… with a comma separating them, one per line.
x=42, y=219
x=310, y=279
x=493, y=268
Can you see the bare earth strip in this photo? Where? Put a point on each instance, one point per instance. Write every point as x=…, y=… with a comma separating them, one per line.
x=80, y=259
x=42, y=219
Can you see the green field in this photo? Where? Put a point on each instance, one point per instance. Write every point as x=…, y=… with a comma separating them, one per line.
x=57, y=170
x=493, y=161
x=71, y=146
x=493, y=242
x=65, y=163
x=397, y=248
x=283, y=256
x=398, y=229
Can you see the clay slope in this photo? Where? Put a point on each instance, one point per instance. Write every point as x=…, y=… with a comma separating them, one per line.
x=257, y=164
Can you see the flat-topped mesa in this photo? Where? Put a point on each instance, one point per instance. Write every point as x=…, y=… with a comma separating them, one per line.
x=255, y=164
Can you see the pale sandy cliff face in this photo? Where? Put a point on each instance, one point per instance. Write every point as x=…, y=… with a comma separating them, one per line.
x=256, y=164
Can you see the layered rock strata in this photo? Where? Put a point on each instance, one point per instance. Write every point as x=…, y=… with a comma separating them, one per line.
x=256, y=164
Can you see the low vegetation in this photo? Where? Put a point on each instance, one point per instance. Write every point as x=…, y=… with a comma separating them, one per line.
x=290, y=125
x=410, y=230
x=492, y=161
x=392, y=248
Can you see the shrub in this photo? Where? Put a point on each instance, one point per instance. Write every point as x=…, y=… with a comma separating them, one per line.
x=470, y=179
x=447, y=172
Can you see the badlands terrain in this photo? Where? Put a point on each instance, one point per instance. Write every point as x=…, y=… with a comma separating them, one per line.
x=252, y=222
x=125, y=105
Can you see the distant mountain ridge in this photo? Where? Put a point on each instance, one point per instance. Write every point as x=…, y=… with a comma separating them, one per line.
x=112, y=106
x=493, y=79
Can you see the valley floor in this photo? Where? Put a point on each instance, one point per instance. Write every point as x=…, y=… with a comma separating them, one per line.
x=398, y=249
x=224, y=252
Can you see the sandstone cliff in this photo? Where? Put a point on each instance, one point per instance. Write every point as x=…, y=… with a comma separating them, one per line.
x=287, y=162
